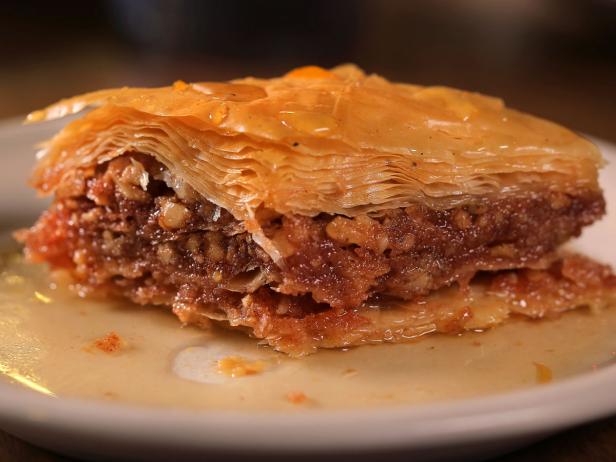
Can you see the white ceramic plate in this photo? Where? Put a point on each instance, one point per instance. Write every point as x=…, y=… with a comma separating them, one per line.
x=471, y=428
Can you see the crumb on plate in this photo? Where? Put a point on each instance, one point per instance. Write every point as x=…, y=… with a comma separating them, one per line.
x=543, y=373
x=296, y=397
x=110, y=343
x=237, y=366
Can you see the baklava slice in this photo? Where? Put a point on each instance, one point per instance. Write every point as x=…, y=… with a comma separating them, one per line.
x=324, y=208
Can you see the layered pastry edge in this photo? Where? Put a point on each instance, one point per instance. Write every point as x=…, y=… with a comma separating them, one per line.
x=130, y=228
x=319, y=209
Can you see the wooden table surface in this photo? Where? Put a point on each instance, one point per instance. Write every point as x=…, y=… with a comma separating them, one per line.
x=595, y=442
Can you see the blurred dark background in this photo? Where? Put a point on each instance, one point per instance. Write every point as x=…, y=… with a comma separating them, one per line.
x=554, y=58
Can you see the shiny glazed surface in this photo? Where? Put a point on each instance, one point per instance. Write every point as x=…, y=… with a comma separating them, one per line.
x=315, y=141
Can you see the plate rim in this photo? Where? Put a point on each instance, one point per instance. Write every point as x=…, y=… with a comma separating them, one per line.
x=518, y=413
x=541, y=408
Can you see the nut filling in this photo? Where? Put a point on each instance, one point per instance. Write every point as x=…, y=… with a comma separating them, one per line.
x=129, y=227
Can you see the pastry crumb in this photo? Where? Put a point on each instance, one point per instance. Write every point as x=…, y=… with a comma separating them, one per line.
x=110, y=343
x=237, y=366
x=543, y=373
x=296, y=397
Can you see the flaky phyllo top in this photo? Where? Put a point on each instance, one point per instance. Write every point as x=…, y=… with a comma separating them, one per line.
x=315, y=141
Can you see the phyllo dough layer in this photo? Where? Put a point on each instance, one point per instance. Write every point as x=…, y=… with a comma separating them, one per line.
x=323, y=141
x=306, y=208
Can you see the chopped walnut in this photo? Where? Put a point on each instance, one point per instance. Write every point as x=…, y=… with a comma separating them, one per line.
x=193, y=243
x=282, y=243
x=166, y=253
x=504, y=251
x=92, y=216
x=111, y=244
x=215, y=250
x=462, y=219
x=173, y=215
x=217, y=276
x=130, y=177
x=74, y=183
x=362, y=231
x=559, y=200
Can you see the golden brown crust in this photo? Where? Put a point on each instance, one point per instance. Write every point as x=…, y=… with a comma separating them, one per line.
x=318, y=141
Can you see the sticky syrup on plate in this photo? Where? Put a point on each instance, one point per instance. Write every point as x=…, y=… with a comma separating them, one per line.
x=47, y=335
